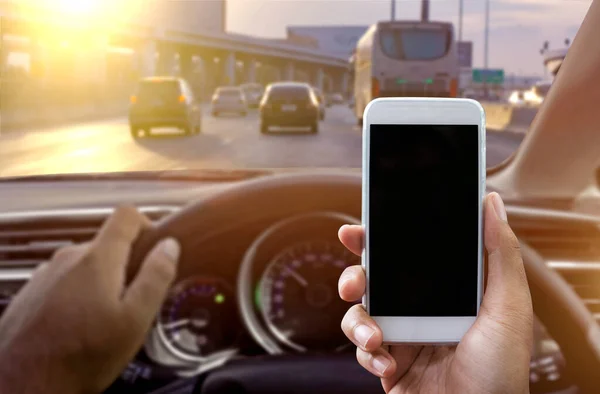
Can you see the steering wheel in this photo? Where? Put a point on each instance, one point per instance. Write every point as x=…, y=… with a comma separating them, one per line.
x=557, y=306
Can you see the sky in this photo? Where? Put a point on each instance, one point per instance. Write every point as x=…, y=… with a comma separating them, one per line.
x=518, y=28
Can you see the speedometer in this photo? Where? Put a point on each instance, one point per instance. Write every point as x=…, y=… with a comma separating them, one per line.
x=199, y=318
x=297, y=295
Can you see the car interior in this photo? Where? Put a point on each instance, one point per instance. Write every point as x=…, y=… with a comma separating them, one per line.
x=236, y=226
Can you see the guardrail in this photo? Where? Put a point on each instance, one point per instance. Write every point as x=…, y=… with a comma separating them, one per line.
x=508, y=118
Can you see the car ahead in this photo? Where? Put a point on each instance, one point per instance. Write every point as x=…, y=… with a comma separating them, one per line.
x=336, y=98
x=164, y=102
x=517, y=98
x=253, y=93
x=289, y=104
x=229, y=99
x=321, y=100
x=538, y=92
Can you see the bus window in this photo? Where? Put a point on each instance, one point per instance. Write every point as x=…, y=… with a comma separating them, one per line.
x=415, y=44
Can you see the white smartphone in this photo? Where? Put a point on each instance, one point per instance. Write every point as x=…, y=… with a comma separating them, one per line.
x=423, y=190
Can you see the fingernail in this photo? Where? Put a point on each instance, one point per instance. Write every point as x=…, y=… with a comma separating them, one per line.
x=362, y=334
x=171, y=248
x=499, y=206
x=343, y=279
x=381, y=364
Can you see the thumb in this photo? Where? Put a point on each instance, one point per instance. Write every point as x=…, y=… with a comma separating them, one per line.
x=507, y=299
x=149, y=288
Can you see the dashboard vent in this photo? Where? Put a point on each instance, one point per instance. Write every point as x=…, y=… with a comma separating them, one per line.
x=28, y=239
x=571, y=248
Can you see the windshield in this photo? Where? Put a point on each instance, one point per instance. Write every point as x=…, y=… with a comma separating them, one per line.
x=158, y=89
x=126, y=86
x=288, y=92
x=229, y=93
x=415, y=44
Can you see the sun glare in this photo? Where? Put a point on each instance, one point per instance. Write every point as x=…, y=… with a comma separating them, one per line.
x=78, y=7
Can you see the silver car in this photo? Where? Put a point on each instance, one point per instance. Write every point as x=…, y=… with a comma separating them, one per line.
x=229, y=99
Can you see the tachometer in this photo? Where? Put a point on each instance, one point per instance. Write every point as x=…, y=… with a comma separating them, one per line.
x=298, y=298
x=199, y=318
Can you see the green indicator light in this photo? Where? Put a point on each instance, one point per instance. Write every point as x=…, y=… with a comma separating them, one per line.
x=429, y=81
x=257, y=297
x=400, y=81
x=219, y=298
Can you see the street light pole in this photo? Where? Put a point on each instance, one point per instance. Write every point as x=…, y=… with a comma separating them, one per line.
x=424, y=10
x=460, y=19
x=487, y=34
x=393, y=10
x=486, y=44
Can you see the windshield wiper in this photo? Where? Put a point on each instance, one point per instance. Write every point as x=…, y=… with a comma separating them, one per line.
x=210, y=175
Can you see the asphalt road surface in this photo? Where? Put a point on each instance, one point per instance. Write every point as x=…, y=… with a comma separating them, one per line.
x=225, y=142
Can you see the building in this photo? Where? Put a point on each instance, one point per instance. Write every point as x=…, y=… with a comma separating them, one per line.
x=335, y=40
x=193, y=17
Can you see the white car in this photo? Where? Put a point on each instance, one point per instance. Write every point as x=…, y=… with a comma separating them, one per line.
x=229, y=99
x=517, y=98
x=538, y=92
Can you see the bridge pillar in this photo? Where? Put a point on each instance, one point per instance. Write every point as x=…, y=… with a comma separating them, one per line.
x=277, y=74
x=42, y=63
x=327, y=84
x=167, y=61
x=289, y=73
x=146, y=59
x=186, y=65
x=230, y=65
x=90, y=61
x=320, y=77
x=346, y=83
x=251, y=71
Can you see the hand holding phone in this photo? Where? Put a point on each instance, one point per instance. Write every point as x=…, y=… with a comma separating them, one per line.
x=423, y=189
x=493, y=356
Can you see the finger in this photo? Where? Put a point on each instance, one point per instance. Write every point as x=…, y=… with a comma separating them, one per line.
x=351, y=285
x=112, y=244
x=148, y=289
x=352, y=238
x=507, y=296
x=361, y=329
x=379, y=362
x=124, y=225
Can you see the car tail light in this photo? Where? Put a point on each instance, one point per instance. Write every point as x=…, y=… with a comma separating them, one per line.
x=374, y=88
x=453, y=88
x=182, y=99
x=133, y=99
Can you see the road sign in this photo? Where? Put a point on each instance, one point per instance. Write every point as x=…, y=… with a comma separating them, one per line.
x=465, y=54
x=489, y=76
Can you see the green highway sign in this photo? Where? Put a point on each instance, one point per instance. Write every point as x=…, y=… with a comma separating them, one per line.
x=490, y=76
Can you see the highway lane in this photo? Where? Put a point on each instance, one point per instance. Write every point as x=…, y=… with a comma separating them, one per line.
x=225, y=142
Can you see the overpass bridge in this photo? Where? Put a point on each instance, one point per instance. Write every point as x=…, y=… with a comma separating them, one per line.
x=207, y=59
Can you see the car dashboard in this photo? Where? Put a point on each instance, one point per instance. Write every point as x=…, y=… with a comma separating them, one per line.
x=268, y=288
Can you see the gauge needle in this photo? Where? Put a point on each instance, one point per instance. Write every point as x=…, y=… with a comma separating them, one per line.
x=176, y=324
x=296, y=276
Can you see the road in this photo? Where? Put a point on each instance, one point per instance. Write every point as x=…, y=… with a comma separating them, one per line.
x=224, y=143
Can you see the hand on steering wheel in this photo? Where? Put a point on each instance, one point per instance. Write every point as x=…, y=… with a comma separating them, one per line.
x=75, y=325
x=493, y=356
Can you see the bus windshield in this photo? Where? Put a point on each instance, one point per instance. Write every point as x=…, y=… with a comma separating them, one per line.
x=415, y=43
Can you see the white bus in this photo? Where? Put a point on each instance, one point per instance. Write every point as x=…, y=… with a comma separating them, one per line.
x=405, y=59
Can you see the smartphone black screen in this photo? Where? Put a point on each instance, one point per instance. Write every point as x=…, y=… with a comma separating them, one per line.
x=423, y=220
